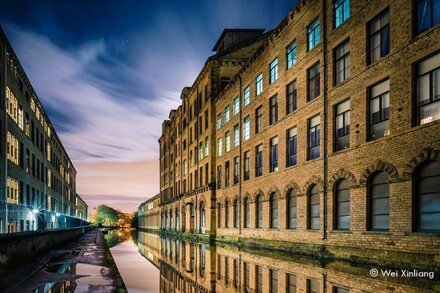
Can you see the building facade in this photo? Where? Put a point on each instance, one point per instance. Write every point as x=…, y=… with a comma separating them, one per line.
x=328, y=134
x=38, y=179
x=149, y=214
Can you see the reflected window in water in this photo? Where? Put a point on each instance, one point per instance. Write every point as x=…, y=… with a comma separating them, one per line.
x=258, y=279
x=290, y=283
x=273, y=276
x=313, y=286
x=246, y=279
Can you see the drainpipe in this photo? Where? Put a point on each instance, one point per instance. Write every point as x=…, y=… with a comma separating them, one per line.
x=240, y=160
x=325, y=102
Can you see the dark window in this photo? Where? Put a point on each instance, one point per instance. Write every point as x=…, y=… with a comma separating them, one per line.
x=340, y=290
x=236, y=272
x=379, y=36
x=290, y=283
x=313, y=286
x=274, y=154
x=291, y=55
x=427, y=202
x=246, y=279
x=314, y=137
x=259, y=211
x=342, y=125
x=313, y=34
x=342, y=11
x=236, y=170
x=273, y=211
x=291, y=97
x=342, y=205
x=273, y=275
x=258, y=279
x=292, y=146
x=227, y=214
x=219, y=177
x=236, y=214
x=227, y=174
x=219, y=215
x=314, y=208
x=224, y=80
x=247, y=213
x=313, y=82
x=428, y=14
x=428, y=89
x=273, y=113
x=259, y=119
x=292, y=210
x=379, y=200
x=247, y=167
x=259, y=161
x=342, y=62
x=379, y=110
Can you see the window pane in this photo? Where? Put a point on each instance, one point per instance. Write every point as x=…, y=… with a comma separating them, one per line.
x=380, y=222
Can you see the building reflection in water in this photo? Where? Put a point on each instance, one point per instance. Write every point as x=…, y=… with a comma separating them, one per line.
x=187, y=266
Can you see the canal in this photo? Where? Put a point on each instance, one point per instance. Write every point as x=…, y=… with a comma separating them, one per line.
x=150, y=263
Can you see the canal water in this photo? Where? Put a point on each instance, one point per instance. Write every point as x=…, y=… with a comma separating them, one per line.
x=150, y=263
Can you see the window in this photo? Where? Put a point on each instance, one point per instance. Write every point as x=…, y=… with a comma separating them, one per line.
x=220, y=146
x=259, y=119
x=246, y=279
x=379, y=110
x=258, y=279
x=236, y=272
x=202, y=218
x=273, y=210
x=219, y=120
x=428, y=89
x=227, y=173
x=227, y=214
x=219, y=176
x=342, y=62
x=342, y=11
x=314, y=208
x=228, y=141
x=292, y=146
x=379, y=200
x=273, y=166
x=313, y=82
x=427, y=199
x=290, y=283
x=291, y=55
x=273, y=112
x=236, y=105
x=227, y=113
x=259, y=161
x=291, y=97
x=247, y=213
x=428, y=14
x=379, y=36
x=340, y=290
x=206, y=146
x=219, y=215
x=259, y=84
x=314, y=137
x=313, y=34
x=273, y=71
x=313, y=286
x=292, y=210
x=246, y=96
x=342, y=205
x=342, y=125
x=236, y=169
x=226, y=270
x=246, y=128
x=247, y=167
x=259, y=211
x=273, y=275
x=236, y=214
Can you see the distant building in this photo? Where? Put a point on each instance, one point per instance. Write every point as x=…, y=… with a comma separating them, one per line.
x=149, y=214
x=37, y=177
x=324, y=131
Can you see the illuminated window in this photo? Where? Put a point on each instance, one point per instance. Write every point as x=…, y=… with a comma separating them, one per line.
x=428, y=89
x=428, y=14
x=379, y=110
x=313, y=34
x=342, y=11
x=246, y=96
x=227, y=113
x=259, y=84
x=236, y=135
x=228, y=141
x=13, y=149
x=273, y=71
x=291, y=55
x=236, y=105
x=246, y=128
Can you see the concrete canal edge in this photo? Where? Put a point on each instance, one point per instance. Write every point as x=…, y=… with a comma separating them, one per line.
x=17, y=248
x=120, y=285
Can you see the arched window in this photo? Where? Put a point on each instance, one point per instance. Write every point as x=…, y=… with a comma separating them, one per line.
x=202, y=260
x=427, y=201
x=342, y=205
x=202, y=217
x=314, y=208
x=219, y=215
x=259, y=211
x=247, y=213
x=379, y=199
x=291, y=211
x=227, y=214
x=273, y=210
x=236, y=214
x=171, y=219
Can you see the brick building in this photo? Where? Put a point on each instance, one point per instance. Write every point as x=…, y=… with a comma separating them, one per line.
x=38, y=179
x=328, y=133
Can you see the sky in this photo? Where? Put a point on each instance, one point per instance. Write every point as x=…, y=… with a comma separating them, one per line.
x=109, y=71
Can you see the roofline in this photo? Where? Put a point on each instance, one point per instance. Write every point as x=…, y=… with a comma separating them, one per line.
x=227, y=30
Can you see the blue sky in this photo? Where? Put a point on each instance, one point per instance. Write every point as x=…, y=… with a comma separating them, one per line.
x=108, y=72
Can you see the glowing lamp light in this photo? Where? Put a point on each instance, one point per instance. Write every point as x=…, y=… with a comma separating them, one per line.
x=57, y=214
x=35, y=211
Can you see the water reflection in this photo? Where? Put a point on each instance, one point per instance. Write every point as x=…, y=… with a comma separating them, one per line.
x=187, y=266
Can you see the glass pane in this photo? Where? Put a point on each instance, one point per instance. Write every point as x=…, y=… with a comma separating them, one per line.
x=429, y=184
x=379, y=190
x=314, y=210
x=344, y=223
x=430, y=221
x=380, y=222
x=380, y=206
x=430, y=203
x=430, y=112
x=344, y=208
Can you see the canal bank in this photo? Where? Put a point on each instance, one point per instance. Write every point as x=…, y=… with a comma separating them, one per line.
x=85, y=264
